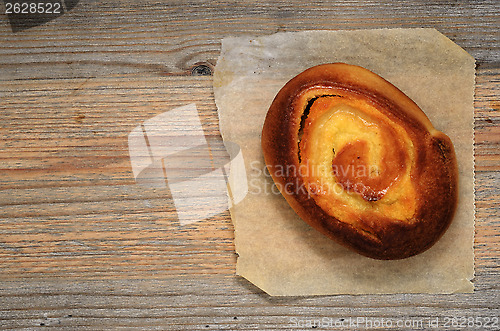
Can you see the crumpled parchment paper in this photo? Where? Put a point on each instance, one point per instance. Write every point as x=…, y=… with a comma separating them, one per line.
x=280, y=253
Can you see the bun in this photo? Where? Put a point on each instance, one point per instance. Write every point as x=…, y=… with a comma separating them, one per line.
x=360, y=162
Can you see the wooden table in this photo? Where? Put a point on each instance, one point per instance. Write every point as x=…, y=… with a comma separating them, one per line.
x=83, y=246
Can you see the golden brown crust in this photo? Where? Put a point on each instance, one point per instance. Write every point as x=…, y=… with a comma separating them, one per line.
x=404, y=205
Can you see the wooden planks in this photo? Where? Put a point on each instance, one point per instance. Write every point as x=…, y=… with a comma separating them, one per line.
x=213, y=302
x=155, y=38
x=83, y=246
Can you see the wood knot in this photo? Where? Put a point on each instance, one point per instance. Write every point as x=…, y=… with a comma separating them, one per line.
x=202, y=69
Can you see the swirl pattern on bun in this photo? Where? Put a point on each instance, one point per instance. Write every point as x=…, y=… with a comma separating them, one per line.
x=359, y=161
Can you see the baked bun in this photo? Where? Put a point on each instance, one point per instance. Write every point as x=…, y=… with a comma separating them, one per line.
x=360, y=162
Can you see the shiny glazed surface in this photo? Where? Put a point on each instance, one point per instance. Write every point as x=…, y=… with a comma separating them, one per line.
x=373, y=173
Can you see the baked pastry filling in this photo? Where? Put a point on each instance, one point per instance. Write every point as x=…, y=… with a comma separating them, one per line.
x=358, y=160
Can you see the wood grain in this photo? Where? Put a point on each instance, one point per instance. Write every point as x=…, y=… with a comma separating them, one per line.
x=83, y=246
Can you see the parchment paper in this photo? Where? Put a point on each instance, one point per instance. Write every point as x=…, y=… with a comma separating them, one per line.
x=280, y=253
